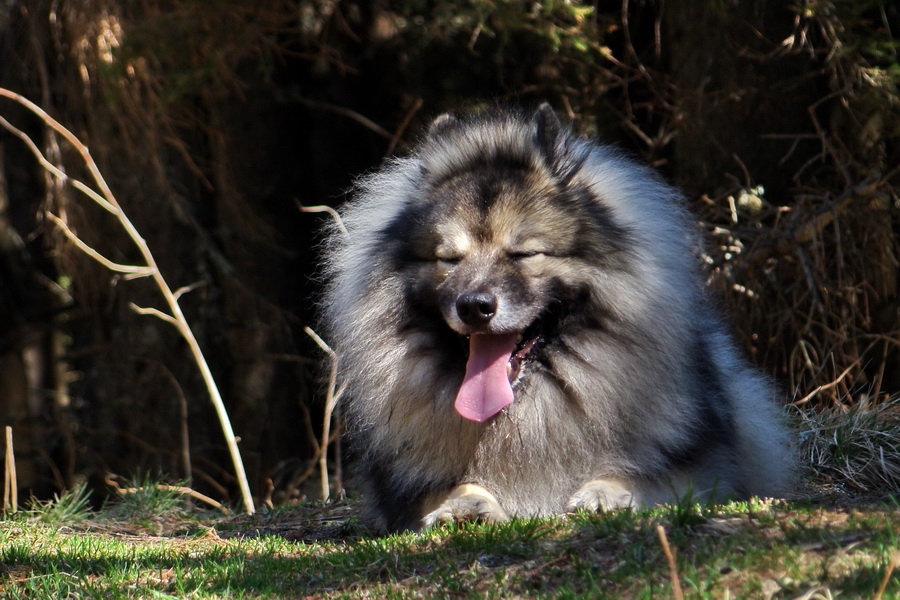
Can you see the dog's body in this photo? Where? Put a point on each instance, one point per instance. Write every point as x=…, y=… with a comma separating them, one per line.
x=522, y=327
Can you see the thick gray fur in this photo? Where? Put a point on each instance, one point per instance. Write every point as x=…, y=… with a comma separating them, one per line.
x=634, y=394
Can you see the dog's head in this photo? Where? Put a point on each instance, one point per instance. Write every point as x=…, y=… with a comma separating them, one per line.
x=504, y=241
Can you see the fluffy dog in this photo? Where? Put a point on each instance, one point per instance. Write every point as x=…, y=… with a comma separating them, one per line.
x=522, y=325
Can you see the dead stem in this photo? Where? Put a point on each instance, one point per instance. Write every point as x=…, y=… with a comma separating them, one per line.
x=175, y=317
x=670, y=558
x=333, y=394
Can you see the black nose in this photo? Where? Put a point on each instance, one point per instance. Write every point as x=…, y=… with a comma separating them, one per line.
x=476, y=308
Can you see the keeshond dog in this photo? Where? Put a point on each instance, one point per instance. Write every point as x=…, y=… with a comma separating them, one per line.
x=522, y=326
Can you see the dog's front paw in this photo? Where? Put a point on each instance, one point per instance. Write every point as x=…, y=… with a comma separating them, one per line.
x=466, y=502
x=602, y=494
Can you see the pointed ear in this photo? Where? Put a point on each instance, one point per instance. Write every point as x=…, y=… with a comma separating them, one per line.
x=563, y=157
x=548, y=130
x=441, y=125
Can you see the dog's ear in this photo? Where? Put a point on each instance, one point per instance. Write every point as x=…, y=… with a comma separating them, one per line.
x=441, y=125
x=563, y=158
x=548, y=130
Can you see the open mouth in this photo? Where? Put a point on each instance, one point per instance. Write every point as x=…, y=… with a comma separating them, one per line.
x=494, y=365
x=524, y=346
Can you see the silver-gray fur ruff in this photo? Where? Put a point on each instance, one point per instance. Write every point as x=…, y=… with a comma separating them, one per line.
x=521, y=322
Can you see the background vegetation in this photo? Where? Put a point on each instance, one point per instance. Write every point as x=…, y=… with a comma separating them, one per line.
x=212, y=121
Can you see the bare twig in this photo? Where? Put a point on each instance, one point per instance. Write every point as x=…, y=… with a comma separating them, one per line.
x=186, y=289
x=327, y=209
x=295, y=483
x=888, y=571
x=183, y=417
x=826, y=386
x=670, y=558
x=10, y=482
x=50, y=167
x=333, y=394
x=154, y=312
x=179, y=489
x=267, y=498
x=133, y=270
x=403, y=125
x=107, y=200
x=349, y=113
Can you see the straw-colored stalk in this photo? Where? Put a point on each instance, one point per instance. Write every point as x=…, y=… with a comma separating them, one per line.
x=332, y=395
x=10, y=481
x=107, y=200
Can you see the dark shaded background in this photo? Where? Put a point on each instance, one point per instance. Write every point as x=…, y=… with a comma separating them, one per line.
x=213, y=121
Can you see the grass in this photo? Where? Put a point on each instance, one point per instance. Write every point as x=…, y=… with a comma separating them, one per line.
x=71, y=507
x=738, y=550
x=857, y=447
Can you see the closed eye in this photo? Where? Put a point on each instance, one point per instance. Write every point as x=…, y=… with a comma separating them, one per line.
x=522, y=254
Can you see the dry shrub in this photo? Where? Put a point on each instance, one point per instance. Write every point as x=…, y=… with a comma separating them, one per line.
x=853, y=450
x=813, y=286
x=813, y=280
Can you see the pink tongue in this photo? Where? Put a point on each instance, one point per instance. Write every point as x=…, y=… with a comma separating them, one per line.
x=486, y=389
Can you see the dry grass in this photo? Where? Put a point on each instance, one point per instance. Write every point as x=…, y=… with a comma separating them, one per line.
x=815, y=283
x=856, y=449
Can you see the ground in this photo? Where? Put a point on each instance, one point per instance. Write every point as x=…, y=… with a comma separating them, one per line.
x=827, y=548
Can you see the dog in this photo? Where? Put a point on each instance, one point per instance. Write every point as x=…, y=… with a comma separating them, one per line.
x=520, y=319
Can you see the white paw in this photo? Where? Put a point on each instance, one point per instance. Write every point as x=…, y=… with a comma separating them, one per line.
x=466, y=502
x=602, y=494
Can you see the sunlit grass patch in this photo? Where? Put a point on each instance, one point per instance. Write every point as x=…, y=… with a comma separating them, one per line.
x=752, y=549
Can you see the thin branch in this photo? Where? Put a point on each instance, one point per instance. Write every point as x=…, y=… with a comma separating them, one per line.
x=670, y=558
x=186, y=288
x=179, y=489
x=53, y=169
x=11, y=481
x=322, y=208
x=825, y=386
x=155, y=312
x=349, y=113
x=106, y=195
x=332, y=395
x=134, y=271
x=319, y=341
x=888, y=571
x=183, y=414
x=107, y=200
x=403, y=125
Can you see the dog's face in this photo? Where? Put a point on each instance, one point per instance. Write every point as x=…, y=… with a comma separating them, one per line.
x=494, y=251
x=496, y=257
x=500, y=247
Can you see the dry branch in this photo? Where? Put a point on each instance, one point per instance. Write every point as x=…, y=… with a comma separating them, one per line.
x=670, y=558
x=349, y=113
x=888, y=571
x=178, y=489
x=332, y=396
x=107, y=200
x=326, y=209
x=10, y=483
